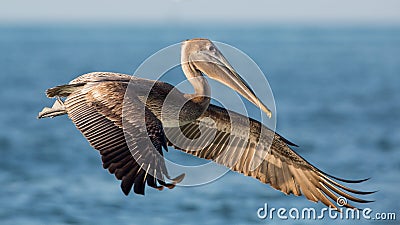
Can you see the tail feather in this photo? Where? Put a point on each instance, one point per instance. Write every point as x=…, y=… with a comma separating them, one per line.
x=57, y=109
x=62, y=90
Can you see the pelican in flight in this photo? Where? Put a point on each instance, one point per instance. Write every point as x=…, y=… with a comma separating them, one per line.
x=96, y=102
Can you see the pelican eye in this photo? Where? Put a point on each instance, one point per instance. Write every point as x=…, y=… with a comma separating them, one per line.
x=211, y=48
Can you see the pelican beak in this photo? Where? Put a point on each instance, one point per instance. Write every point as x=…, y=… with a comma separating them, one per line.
x=212, y=63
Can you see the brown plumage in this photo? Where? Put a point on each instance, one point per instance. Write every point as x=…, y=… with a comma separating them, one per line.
x=98, y=116
x=275, y=163
x=130, y=133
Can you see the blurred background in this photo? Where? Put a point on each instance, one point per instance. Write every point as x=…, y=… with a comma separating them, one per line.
x=334, y=69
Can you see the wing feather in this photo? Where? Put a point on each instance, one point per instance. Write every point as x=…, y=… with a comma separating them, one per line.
x=262, y=154
x=96, y=110
x=94, y=104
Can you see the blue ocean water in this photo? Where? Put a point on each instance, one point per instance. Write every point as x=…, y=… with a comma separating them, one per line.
x=337, y=92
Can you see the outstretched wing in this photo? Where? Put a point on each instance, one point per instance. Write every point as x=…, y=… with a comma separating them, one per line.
x=133, y=152
x=221, y=136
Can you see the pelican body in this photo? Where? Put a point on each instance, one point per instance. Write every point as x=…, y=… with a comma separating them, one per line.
x=102, y=104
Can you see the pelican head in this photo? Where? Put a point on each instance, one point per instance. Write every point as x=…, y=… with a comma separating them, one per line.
x=202, y=56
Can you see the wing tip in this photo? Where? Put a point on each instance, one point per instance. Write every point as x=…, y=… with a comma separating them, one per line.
x=348, y=180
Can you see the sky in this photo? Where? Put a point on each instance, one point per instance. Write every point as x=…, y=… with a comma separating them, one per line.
x=200, y=11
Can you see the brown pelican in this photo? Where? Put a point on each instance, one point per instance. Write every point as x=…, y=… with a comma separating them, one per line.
x=94, y=103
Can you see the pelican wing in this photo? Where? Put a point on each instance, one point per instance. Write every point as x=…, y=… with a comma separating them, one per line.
x=246, y=146
x=96, y=110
